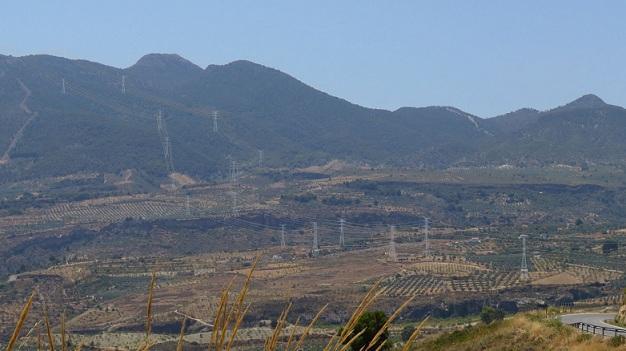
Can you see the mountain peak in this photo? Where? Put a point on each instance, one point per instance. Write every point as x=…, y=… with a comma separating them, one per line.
x=586, y=101
x=165, y=61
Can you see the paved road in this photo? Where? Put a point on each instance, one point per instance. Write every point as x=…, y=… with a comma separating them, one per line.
x=597, y=319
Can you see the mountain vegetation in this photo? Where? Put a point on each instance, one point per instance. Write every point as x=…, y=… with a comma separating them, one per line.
x=62, y=116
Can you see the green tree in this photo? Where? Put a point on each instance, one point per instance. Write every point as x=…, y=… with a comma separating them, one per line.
x=489, y=314
x=609, y=246
x=371, y=322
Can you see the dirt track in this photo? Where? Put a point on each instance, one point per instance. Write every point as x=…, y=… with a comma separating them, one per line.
x=18, y=135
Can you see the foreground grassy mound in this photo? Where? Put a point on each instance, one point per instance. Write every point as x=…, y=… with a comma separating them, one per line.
x=521, y=332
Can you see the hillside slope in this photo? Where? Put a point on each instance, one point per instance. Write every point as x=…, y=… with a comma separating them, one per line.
x=96, y=118
x=521, y=332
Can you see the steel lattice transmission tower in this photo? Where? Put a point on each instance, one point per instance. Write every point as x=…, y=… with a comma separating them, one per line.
x=342, y=239
x=123, y=84
x=426, y=243
x=524, y=268
x=234, y=172
x=316, y=247
x=393, y=256
x=215, y=117
x=188, y=207
x=283, y=244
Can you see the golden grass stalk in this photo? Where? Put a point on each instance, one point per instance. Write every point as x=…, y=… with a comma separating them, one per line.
x=148, y=344
x=236, y=328
x=237, y=311
x=293, y=332
x=63, y=336
x=79, y=347
x=48, y=330
x=149, y=307
x=227, y=314
x=353, y=339
x=145, y=345
x=388, y=323
x=272, y=341
x=20, y=322
x=416, y=332
x=39, y=340
x=335, y=343
x=218, y=319
x=309, y=327
x=30, y=331
x=181, y=336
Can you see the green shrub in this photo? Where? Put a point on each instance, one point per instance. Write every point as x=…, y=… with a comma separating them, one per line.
x=489, y=314
x=583, y=337
x=371, y=322
x=617, y=340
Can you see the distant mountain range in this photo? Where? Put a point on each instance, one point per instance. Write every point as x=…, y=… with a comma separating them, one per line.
x=62, y=116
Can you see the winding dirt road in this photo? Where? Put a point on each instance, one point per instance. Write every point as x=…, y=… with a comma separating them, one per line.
x=20, y=132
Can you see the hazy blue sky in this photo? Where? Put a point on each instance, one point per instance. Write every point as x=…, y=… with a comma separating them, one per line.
x=486, y=57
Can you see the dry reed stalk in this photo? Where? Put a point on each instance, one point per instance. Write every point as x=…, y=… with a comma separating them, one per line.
x=145, y=345
x=293, y=332
x=218, y=319
x=48, y=330
x=30, y=331
x=20, y=322
x=387, y=323
x=149, y=307
x=309, y=327
x=335, y=343
x=181, y=340
x=353, y=339
x=272, y=341
x=233, y=334
x=63, y=336
x=409, y=343
x=236, y=311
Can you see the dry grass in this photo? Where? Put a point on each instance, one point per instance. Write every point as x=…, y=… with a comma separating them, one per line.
x=227, y=320
x=48, y=329
x=272, y=342
x=409, y=343
x=181, y=337
x=20, y=322
x=147, y=343
x=532, y=331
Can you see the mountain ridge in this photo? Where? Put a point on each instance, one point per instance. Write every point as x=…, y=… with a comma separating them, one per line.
x=106, y=122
